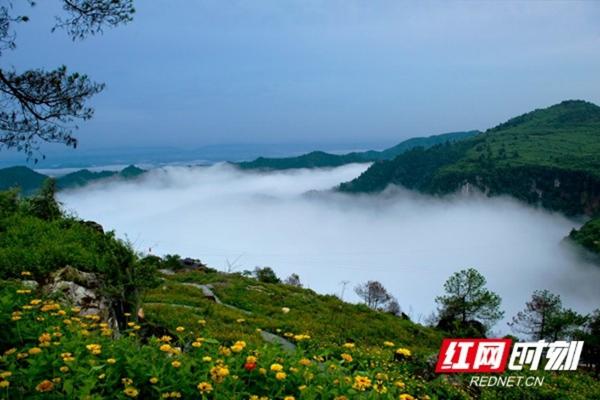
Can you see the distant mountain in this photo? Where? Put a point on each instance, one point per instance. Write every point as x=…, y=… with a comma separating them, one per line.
x=29, y=181
x=320, y=159
x=549, y=157
x=85, y=176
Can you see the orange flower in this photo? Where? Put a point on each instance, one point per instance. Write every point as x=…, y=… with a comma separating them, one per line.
x=45, y=386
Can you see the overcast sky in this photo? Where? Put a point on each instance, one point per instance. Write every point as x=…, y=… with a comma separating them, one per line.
x=193, y=73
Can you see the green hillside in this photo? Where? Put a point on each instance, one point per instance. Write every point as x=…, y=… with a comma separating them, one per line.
x=30, y=181
x=85, y=176
x=27, y=179
x=320, y=159
x=588, y=236
x=549, y=157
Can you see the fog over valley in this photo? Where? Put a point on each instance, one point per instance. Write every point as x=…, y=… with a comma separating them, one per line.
x=292, y=223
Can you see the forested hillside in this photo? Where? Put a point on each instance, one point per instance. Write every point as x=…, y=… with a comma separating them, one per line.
x=549, y=157
x=30, y=181
x=319, y=159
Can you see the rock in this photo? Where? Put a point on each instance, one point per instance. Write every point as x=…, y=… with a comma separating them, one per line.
x=166, y=271
x=30, y=284
x=272, y=338
x=206, y=292
x=94, y=225
x=68, y=273
x=81, y=289
x=190, y=263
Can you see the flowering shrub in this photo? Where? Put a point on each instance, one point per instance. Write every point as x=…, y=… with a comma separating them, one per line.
x=57, y=352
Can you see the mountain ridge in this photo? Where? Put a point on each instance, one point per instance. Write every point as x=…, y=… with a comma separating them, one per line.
x=549, y=157
x=320, y=159
x=30, y=181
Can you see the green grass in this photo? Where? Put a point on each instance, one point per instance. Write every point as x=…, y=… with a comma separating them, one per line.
x=325, y=318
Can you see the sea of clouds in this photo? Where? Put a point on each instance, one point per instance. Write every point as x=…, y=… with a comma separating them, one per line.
x=232, y=219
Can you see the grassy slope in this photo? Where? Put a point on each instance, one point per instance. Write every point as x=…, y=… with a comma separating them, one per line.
x=323, y=317
x=566, y=136
x=318, y=159
x=530, y=153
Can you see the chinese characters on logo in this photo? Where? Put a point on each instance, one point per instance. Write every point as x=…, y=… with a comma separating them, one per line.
x=492, y=355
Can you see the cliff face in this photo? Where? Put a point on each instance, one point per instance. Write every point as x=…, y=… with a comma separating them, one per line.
x=570, y=192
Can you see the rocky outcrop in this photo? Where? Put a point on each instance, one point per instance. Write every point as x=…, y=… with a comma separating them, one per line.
x=192, y=264
x=93, y=225
x=80, y=289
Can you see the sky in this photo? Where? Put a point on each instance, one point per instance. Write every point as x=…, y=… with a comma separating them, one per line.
x=196, y=73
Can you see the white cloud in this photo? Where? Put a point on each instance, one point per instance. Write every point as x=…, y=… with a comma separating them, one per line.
x=411, y=243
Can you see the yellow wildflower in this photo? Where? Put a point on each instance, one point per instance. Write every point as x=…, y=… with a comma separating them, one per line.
x=34, y=351
x=94, y=348
x=379, y=387
x=10, y=351
x=224, y=351
x=280, y=376
x=130, y=391
x=346, y=357
x=403, y=352
x=204, y=387
x=276, y=367
x=238, y=346
x=361, y=383
x=251, y=359
x=219, y=373
x=45, y=338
